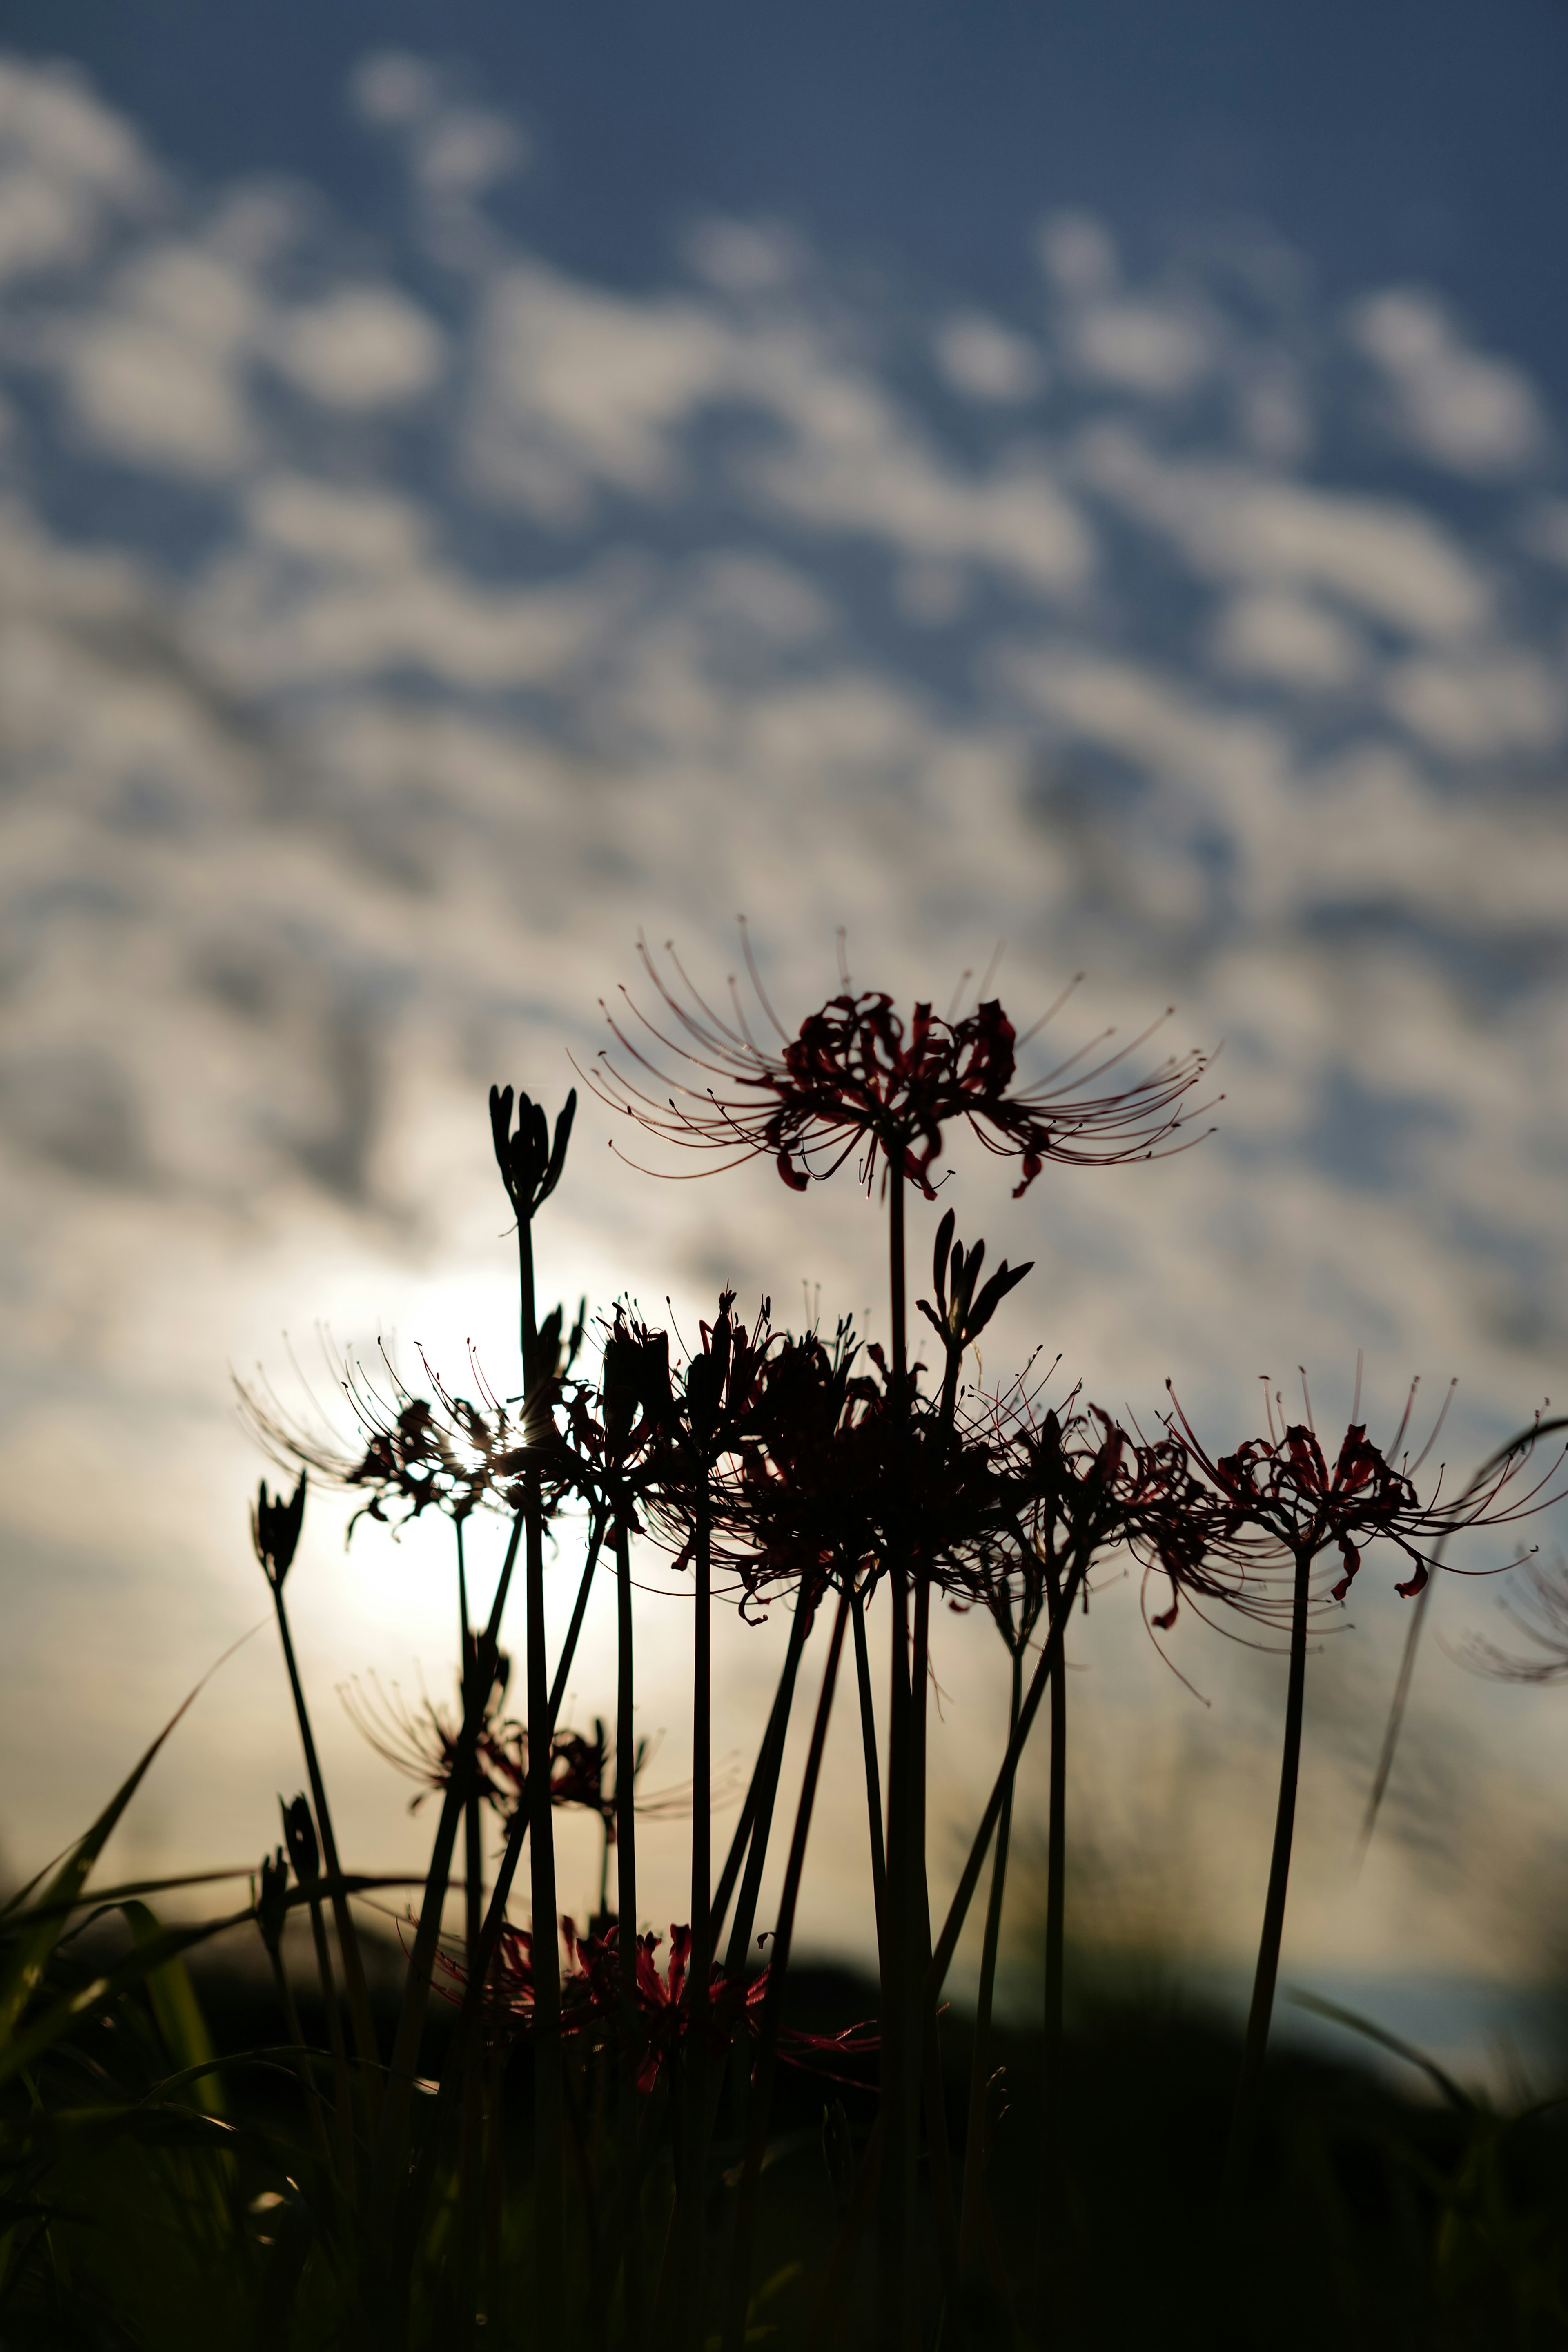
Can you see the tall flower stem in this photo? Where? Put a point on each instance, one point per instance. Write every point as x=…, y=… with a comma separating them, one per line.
x=285, y=1992
x=771, y=1743
x=970, y=2225
x=689, y=2207
x=335, y=2039
x=963, y=1894
x=631, y=2170
x=734, y=2330
x=873, y=1772
x=898, y=2056
x=391, y=2146
x=472, y=2147
x=766, y=1781
x=1056, y=1894
x=473, y=1851
x=495, y=1917
x=365, y=2047
x=548, y=2207
x=548, y=2117
x=1249, y=2089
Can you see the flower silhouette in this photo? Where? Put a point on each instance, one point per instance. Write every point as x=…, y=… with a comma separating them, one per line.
x=856, y=1076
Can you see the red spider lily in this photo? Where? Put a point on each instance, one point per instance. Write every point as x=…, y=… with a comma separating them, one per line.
x=1276, y=1495
x=856, y=1077
x=593, y=1999
x=415, y=1453
x=654, y=1430
x=1543, y=1624
x=1078, y=1487
x=422, y=1744
x=822, y=1478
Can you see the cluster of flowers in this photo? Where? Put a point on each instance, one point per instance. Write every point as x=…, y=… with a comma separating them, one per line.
x=600, y=2001
x=781, y=1468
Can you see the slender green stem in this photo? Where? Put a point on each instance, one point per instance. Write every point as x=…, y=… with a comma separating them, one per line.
x=1249, y=2089
x=495, y=1917
x=343, y=1917
x=899, y=2057
x=765, y=1783
x=307, y=2076
x=774, y=1732
x=873, y=1773
x=970, y=2226
x=734, y=2332
x=392, y=2146
x=1055, y=1896
x=473, y=1871
x=471, y=2138
x=629, y=2165
x=548, y=2207
x=335, y=2040
x=691, y=2198
x=964, y=1895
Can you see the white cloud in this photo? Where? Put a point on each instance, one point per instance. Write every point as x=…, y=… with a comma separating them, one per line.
x=741, y=256
x=362, y=347
x=986, y=361
x=348, y=584
x=1143, y=347
x=68, y=168
x=577, y=385
x=155, y=376
x=1505, y=702
x=1271, y=633
x=1077, y=253
x=1453, y=406
x=464, y=150
x=1388, y=560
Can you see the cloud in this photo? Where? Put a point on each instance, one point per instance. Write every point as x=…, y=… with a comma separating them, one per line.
x=1385, y=558
x=988, y=362
x=70, y=169
x=1454, y=406
x=362, y=347
x=1077, y=253
x=1140, y=347
x=1503, y=702
x=1270, y=633
x=155, y=376
x=578, y=387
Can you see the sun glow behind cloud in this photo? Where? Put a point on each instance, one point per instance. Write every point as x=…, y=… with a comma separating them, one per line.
x=384, y=641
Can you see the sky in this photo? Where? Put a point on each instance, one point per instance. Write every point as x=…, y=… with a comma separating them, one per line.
x=472, y=494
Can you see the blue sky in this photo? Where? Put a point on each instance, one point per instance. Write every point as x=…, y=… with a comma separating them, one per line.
x=468, y=496
x=1404, y=138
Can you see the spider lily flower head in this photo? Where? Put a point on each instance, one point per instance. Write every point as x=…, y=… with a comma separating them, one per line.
x=1082, y=1487
x=530, y=1162
x=1278, y=1492
x=413, y=1452
x=597, y=1995
x=828, y=1480
x=275, y=1530
x=1541, y=1620
x=858, y=1077
x=422, y=1742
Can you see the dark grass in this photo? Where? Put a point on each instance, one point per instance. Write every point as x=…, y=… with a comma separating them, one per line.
x=1373, y=2215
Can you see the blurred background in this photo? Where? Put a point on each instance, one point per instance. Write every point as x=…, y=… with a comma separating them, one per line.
x=481, y=484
